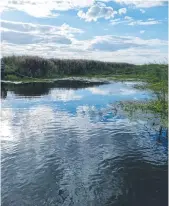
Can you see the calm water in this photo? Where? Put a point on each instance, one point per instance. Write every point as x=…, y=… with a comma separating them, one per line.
x=63, y=144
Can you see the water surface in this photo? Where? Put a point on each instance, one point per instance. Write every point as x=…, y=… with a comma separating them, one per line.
x=64, y=144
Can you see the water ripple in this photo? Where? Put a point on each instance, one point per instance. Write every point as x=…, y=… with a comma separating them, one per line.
x=79, y=152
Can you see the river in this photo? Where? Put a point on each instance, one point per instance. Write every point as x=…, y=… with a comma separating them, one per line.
x=65, y=144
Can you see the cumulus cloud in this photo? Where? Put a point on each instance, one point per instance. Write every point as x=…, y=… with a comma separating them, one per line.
x=24, y=38
x=122, y=11
x=116, y=43
x=30, y=28
x=27, y=33
x=51, y=8
x=37, y=8
x=19, y=38
x=45, y=8
x=111, y=43
x=97, y=11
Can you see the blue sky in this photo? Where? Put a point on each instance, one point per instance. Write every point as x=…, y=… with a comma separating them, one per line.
x=108, y=30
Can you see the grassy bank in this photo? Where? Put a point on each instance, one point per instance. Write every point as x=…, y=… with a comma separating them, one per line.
x=36, y=67
x=33, y=68
x=21, y=67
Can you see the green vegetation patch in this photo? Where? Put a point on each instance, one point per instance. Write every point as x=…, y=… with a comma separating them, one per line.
x=153, y=106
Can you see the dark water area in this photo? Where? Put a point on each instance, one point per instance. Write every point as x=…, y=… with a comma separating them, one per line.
x=43, y=88
x=64, y=144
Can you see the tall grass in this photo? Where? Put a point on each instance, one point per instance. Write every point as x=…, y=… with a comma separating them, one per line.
x=37, y=67
x=34, y=66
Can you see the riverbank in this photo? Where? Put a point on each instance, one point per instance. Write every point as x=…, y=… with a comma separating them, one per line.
x=150, y=83
x=31, y=68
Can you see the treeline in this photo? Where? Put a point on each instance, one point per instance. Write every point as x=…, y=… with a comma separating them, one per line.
x=37, y=67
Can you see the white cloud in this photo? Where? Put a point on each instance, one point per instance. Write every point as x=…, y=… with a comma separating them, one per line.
x=116, y=43
x=27, y=33
x=116, y=21
x=131, y=22
x=42, y=29
x=97, y=11
x=99, y=91
x=142, y=3
x=122, y=11
x=142, y=11
x=113, y=91
x=45, y=8
x=110, y=43
x=51, y=8
x=61, y=42
x=142, y=31
x=151, y=19
x=137, y=55
x=141, y=22
x=128, y=18
x=64, y=95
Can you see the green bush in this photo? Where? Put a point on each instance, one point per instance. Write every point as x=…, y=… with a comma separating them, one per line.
x=11, y=77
